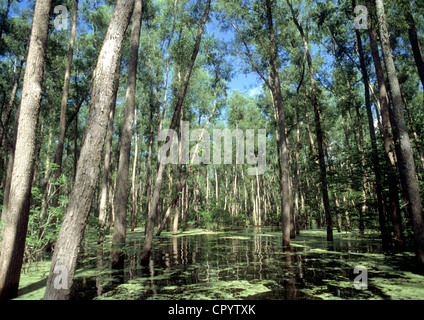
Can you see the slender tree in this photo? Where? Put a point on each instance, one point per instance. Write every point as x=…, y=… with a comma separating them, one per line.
x=58, y=157
x=387, y=135
x=17, y=211
x=147, y=246
x=284, y=155
x=71, y=233
x=405, y=155
x=376, y=166
x=318, y=128
x=121, y=196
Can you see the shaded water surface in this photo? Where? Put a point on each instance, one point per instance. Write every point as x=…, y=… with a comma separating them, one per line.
x=247, y=264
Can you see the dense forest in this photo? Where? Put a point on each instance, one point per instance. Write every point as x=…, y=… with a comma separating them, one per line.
x=129, y=125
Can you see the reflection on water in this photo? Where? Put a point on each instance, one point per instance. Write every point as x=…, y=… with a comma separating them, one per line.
x=238, y=264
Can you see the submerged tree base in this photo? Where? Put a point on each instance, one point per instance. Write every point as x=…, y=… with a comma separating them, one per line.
x=232, y=265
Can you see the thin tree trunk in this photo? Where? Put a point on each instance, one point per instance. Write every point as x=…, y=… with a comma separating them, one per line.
x=284, y=157
x=297, y=174
x=405, y=157
x=75, y=219
x=46, y=184
x=216, y=187
x=348, y=227
x=107, y=169
x=147, y=246
x=226, y=188
x=17, y=211
x=379, y=188
x=177, y=212
x=121, y=195
x=133, y=176
x=58, y=157
x=149, y=164
x=258, y=198
x=319, y=133
x=207, y=186
x=245, y=195
x=394, y=207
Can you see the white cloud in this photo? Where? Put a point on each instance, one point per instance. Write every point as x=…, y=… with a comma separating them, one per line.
x=255, y=91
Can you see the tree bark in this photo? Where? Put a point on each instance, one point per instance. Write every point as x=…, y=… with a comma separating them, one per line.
x=17, y=211
x=58, y=157
x=284, y=157
x=121, y=195
x=75, y=219
x=405, y=156
x=379, y=188
x=107, y=167
x=149, y=163
x=394, y=207
x=134, y=188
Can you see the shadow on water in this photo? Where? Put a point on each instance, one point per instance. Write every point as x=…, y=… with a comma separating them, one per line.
x=242, y=264
x=237, y=264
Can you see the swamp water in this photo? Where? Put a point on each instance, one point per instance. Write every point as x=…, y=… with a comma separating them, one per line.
x=237, y=264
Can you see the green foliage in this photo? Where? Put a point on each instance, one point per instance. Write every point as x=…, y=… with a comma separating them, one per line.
x=43, y=227
x=216, y=218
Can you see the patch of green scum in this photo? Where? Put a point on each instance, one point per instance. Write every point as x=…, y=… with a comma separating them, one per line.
x=125, y=291
x=318, y=293
x=407, y=286
x=237, y=237
x=33, y=280
x=195, y=232
x=218, y=290
x=94, y=272
x=163, y=276
x=338, y=289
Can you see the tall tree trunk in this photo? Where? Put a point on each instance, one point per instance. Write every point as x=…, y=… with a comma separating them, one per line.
x=319, y=133
x=46, y=185
x=379, y=188
x=216, y=187
x=297, y=174
x=258, y=198
x=58, y=157
x=284, y=157
x=245, y=195
x=107, y=167
x=17, y=211
x=147, y=246
x=134, y=188
x=405, y=157
x=179, y=173
x=121, y=195
x=207, y=185
x=394, y=207
x=75, y=219
x=149, y=163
